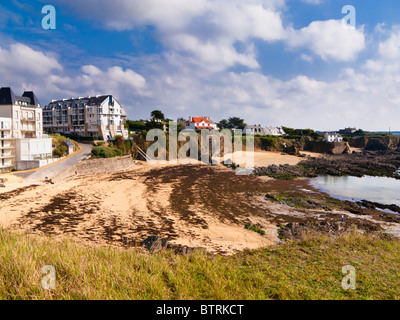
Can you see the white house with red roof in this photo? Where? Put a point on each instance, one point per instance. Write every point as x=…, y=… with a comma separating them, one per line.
x=198, y=123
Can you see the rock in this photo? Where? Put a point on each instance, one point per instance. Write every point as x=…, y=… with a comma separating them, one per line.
x=155, y=244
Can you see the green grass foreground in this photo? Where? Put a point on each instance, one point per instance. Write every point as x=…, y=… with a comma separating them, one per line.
x=306, y=269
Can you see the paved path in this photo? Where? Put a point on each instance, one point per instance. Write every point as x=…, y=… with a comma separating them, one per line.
x=52, y=170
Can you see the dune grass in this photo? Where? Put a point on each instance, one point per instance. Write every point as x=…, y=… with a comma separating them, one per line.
x=306, y=269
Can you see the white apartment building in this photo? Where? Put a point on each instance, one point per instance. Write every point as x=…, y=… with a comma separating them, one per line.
x=7, y=146
x=100, y=116
x=22, y=144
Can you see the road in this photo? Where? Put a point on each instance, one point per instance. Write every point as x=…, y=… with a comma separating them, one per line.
x=52, y=170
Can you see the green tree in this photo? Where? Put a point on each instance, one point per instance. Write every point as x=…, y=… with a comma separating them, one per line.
x=157, y=115
x=153, y=125
x=224, y=124
x=237, y=123
x=135, y=125
x=360, y=132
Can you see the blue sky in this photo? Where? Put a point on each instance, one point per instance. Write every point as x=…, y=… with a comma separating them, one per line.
x=271, y=62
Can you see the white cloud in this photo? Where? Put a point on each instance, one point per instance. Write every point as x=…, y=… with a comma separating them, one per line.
x=365, y=97
x=205, y=30
x=24, y=68
x=114, y=76
x=23, y=60
x=190, y=77
x=330, y=40
x=390, y=49
x=209, y=31
x=306, y=57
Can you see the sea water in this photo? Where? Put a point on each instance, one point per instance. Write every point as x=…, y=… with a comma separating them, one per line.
x=375, y=189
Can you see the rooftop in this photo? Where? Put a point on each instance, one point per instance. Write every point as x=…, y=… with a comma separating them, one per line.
x=7, y=97
x=91, y=101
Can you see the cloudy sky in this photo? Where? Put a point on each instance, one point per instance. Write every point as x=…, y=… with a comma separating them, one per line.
x=271, y=62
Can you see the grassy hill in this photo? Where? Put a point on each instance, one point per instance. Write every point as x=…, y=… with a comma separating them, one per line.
x=301, y=269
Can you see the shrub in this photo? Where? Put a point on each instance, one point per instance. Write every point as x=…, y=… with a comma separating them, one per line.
x=59, y=151
x=106, y=152
x=255, y=229
x=269, y=142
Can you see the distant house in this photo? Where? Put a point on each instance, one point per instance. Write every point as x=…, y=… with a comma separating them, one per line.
x=267, y=131
x=181, y=121
x=274, y=131
x=348, y=131
x=69, y=145
x=255, y=130
x=333, y=137
x=198, y=123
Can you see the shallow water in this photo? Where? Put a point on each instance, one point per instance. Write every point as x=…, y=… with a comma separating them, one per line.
x=376, y=189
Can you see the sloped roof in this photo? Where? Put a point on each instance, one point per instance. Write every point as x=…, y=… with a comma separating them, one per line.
x=7, y=96
x=200, y=119
x=256, y=126
x=91, y=101
x=33, y=100
x=68, y=143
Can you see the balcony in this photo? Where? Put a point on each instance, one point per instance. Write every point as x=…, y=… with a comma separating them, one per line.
x=6, y=156
x=28, y=129
x=33, y=119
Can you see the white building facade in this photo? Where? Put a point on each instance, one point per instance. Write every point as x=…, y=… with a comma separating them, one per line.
x=254, y=130
x=100, y=116
x=274, y=131
x=21, y=132
x=333, y=137
x=267, y=131
x=7, y=146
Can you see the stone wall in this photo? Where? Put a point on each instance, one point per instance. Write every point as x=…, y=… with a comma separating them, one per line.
x=88, y=167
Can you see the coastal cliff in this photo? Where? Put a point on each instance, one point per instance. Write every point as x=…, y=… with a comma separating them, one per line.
x=384, y=143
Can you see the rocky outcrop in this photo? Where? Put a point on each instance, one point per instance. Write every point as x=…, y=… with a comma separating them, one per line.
x=297, y=230
x=282, y=172
x=369, y=163
x=327, y=147
x=383, y=144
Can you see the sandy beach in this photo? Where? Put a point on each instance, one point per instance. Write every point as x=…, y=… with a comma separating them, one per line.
x=192, y=205
x=267, y=158
x=112, y=209
x=130, y=206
